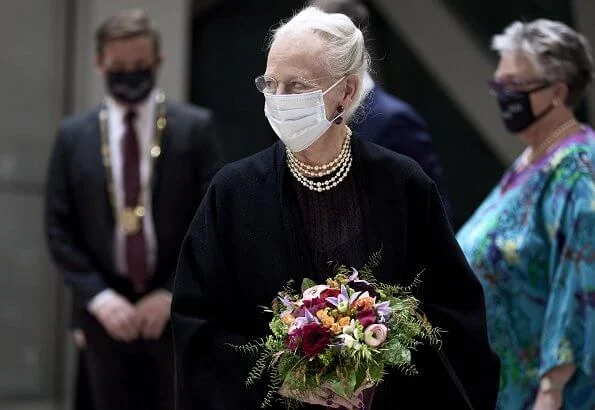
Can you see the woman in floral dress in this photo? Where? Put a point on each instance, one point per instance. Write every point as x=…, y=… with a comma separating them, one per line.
x=532, y=241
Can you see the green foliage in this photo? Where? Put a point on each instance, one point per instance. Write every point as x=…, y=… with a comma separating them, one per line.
x=307, y=283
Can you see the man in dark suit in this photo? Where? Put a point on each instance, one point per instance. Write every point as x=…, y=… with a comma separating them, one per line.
x=123, y=185
x=389, y=121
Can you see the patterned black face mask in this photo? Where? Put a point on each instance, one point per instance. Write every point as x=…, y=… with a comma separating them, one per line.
x=515, y=106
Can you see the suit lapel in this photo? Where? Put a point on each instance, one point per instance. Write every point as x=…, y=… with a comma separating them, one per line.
x=104, y=207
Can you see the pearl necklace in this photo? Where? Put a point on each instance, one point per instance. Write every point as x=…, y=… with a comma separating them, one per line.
x=342, y=164
x=314, y=171
x=559, y=133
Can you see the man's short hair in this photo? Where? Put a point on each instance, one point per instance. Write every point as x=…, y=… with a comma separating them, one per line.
x=125, y=25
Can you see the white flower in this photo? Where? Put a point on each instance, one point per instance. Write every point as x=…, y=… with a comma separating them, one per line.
x=348, y=330
x=348, y=341
x=343, y=306
x=314, y=292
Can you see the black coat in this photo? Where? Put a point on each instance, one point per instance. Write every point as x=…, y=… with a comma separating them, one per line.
x=245, y=243
x=79, y=219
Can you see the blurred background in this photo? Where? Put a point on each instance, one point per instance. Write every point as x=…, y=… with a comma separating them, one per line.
x=434, y=54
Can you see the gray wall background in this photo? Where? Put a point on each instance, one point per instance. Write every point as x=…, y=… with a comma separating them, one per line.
x=46, y=72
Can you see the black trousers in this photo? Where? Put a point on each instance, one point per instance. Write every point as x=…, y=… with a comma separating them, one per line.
x=82, y=394
x=129, y=376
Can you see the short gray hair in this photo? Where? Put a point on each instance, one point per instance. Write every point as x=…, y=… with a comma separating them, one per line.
x=557, y=51
x=346, y=53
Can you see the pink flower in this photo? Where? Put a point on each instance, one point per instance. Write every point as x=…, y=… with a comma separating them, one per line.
x=367, y=317
x=375, y=335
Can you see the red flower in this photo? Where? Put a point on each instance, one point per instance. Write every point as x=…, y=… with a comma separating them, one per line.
x=329, y=293
x=315, y=339
x=367, y=317
x=313, y=305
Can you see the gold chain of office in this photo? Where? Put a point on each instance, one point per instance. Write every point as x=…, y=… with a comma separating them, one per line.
x=131, y=217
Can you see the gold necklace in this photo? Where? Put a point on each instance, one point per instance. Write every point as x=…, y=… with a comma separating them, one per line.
x=549, y=142
x=130, y=218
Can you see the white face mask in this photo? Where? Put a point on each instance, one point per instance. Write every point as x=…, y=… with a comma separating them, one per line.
x=298, y=119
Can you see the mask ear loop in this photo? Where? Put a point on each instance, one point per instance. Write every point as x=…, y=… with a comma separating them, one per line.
x=339, y=118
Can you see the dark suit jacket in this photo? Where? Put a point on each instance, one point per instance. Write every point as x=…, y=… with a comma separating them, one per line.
x=395, y=125
x=79, y=220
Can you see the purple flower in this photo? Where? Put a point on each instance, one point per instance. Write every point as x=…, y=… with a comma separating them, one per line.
x=343, y=300
x=302, y=321
x=312, y=306
x=383, y=310
x=363, y=286
x=286, y=302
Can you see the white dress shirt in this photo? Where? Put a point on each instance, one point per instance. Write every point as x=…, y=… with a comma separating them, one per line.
x=145, y=130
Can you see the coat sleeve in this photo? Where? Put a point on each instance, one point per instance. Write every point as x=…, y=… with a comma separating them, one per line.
x=452, y=298
x=209, y=373
x=61, y=228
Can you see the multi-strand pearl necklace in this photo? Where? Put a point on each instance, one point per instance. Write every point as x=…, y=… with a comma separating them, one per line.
x=341, y=165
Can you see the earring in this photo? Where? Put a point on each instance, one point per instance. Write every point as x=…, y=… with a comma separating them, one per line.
x=339, y=119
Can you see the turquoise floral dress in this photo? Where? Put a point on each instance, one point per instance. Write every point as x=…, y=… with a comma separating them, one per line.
x=532, y=245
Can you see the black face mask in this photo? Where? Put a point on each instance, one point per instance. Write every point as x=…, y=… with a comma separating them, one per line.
x=516, y=109
x=131, y=87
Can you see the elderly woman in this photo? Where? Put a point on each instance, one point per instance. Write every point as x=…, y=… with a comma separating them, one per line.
x=532, y=241
x=319, y=195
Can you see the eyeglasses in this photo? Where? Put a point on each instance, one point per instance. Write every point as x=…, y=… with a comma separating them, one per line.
x=269, y=85
x=515, y=86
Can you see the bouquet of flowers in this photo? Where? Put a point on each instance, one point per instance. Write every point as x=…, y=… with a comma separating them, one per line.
x=342, y=334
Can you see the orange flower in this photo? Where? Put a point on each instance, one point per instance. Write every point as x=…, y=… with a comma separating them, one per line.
x=365, y=303
x=321, y=314
x=336, y=328
x=288, y=319
x=344, y=321
x=327, y=321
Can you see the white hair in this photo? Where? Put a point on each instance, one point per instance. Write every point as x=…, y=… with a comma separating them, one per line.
x=557, y=52
x=346, y=53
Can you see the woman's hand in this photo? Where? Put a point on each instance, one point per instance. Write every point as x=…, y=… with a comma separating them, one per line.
x=551, y=387
x=550, y=400
x=324, y=396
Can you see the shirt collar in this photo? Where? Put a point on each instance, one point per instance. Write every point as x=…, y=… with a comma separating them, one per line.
x=144, y=110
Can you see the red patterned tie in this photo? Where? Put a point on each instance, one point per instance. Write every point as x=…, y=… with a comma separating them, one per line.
x=136, y=250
